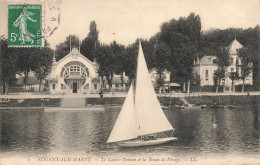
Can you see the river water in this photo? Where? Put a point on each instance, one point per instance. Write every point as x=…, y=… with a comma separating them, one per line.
x=35, y=132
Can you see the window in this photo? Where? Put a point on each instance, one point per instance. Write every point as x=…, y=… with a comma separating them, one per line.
x=117, y=85
x=206, y=81
x=86, y=86
x=206, y=73
x=53, y=86
x=231, y=60
x=75, y=70
x=215, y=73
x=237, y=61
x=95, y=86
x=232, y=69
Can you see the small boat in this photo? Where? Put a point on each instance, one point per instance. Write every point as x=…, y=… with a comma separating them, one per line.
x=232, y=106
x=164, y=107
x=204, y=106
x=223, y=106
x=141, y=121
x=139, y=143
x=214, y=106
x=179, y=106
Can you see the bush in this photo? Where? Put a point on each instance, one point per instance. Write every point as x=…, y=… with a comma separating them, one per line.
x=206, y=88
x=43, y=102
x=247, y=88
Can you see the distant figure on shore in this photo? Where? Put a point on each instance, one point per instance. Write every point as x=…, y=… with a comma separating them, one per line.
x=101, y=94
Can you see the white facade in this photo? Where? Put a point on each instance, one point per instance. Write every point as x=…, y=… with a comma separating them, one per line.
x=154, y=75
x=74, y=73
x=207, y=66
x=117, y=82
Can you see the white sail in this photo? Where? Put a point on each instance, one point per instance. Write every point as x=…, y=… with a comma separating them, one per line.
x=125, y=126
x=151, y=118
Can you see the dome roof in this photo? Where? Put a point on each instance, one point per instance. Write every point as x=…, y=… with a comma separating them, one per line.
x=234, y=46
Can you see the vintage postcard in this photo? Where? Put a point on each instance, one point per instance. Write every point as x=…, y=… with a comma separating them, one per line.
x=129, y=82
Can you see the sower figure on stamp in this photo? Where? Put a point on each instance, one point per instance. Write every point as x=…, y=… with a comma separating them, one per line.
x=21, y=22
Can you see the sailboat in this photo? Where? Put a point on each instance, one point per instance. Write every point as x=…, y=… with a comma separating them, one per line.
x=141, y=121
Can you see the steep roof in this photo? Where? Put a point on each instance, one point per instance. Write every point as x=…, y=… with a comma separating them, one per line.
x=207, y=60
x=79, y=54
x=32, y=80
x=234, y=46
x=154, y=69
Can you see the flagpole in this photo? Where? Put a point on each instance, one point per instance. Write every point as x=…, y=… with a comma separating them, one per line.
x=70, y=43
x=79, y=45
x=54, y=49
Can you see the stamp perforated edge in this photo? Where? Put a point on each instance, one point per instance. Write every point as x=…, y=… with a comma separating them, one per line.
x=42, y=37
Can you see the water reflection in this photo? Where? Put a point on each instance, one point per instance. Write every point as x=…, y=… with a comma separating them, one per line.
x=86, y=132
x=24, y=131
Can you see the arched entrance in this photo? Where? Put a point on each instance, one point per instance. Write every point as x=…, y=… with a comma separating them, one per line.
x=75, y=75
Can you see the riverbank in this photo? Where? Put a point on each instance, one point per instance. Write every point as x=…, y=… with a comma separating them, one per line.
x=122, y=94
x=224, y=100
x=239, y=100
x=37, y=102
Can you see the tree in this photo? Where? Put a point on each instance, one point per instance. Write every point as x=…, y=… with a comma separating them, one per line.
x=131, y=61
x=120, y=60
x=251, y=38
x=233, y=76
x=183, y=37
x=43, y=60
x=107, y=67
x=212, y=39
x=91, y=42
x=72, y=41
x=246, y=56
x=222, y=64
x=161, y=54
x=8, y=64
x=25, y=62
x=195, y=81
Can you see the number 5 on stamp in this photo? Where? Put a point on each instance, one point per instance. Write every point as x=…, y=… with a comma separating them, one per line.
x=24, y=25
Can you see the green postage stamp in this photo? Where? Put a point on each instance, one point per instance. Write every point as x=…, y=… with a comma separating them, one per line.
x=25, y=25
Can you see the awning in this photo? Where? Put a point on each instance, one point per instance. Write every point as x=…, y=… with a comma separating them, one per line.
x=175, y=85
x=76, y=77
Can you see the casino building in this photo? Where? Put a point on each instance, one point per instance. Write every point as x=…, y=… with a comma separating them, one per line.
x=74, y=73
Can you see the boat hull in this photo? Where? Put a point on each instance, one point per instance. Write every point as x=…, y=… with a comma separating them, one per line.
x=140, y=143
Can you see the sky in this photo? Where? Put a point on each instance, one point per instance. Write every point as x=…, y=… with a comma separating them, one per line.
x=127, y=20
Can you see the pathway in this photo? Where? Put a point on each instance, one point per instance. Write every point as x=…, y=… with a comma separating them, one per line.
x=185, y=101
x=73, y=102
